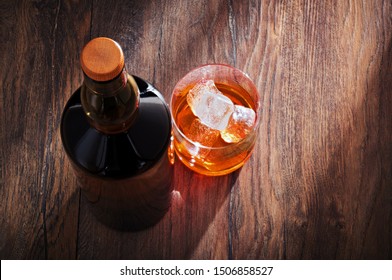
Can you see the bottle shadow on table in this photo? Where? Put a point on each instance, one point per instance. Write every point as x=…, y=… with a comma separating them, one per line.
x=130, y=204
x=197, y=203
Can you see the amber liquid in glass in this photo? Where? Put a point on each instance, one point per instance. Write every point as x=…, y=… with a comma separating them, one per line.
x=221, y=156
x=126, y=177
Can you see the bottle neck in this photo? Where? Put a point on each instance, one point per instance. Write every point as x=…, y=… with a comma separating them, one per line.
x=107, y=88
x=110, y=106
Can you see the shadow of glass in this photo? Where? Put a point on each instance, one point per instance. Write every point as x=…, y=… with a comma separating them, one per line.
x=200, y=213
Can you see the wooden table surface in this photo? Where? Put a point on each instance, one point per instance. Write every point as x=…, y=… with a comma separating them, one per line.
x=319, y=183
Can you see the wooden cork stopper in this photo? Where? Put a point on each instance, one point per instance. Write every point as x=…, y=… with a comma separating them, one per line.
x=102, y=59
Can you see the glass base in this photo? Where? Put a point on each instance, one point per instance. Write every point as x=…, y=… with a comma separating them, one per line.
x=209, y=170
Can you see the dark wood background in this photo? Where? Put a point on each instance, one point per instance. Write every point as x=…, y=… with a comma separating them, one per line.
x=319, y=184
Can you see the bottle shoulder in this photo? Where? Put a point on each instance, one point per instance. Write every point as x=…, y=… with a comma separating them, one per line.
x=123, y=154
x=151, y=131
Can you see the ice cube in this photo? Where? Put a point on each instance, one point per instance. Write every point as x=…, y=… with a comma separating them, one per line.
x=203, y=135
x=210, y=105
x=240, y=123
x=198, y=132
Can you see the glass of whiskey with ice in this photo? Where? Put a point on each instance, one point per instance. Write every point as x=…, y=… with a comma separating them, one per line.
x=216, y=113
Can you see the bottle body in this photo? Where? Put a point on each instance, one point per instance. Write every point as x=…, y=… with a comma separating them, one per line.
x=121, y=163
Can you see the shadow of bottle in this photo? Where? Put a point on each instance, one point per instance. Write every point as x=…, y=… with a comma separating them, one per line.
x=130, y=204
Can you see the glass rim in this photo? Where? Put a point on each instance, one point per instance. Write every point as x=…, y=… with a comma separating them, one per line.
x=255, y=127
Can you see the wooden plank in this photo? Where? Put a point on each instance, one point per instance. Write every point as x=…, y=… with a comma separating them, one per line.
x=39, y=197
x=323, y=189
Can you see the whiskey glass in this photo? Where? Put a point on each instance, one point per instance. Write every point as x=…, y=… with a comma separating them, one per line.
x=217, y=158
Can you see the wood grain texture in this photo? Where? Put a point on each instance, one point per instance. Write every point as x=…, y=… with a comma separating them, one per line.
x=39, y=198
x=319, y=184
x=325, y=134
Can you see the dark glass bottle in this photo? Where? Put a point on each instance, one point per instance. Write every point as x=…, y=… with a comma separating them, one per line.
x=116, y=132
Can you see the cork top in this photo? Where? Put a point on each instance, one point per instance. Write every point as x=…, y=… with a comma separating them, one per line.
x=102, y=59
